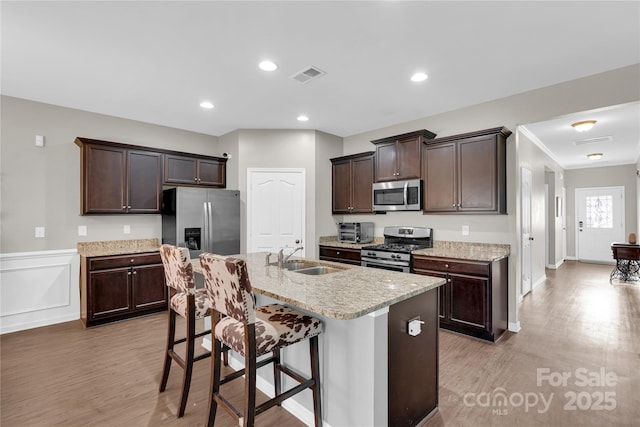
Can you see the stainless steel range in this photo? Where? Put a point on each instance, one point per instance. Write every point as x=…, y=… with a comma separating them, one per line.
x=395, y=253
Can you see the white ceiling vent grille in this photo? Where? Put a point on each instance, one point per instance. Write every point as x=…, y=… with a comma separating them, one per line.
x=308, y=74
x=594, y=140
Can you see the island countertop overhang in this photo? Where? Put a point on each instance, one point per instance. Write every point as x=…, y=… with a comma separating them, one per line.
x=347, y=294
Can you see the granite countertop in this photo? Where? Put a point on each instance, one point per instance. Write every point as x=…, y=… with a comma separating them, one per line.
x=118, y=247
x=347, y=294
x=464, y=250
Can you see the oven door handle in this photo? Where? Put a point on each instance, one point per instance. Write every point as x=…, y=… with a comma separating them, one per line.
x=384, y=262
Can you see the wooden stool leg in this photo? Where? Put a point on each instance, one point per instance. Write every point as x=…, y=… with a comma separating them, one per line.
x=171, y=337
x=249, y=376
x=214, y=388
x=188, y=361
x=315, y=374
x=277, y=376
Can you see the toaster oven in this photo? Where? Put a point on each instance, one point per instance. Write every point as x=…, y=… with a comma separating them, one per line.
x=355, y=232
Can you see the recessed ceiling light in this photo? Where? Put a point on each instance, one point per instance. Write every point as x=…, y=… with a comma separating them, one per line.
x=267, y=66
x=206, y=104
x=584, y=125
x=303, y=118
x=594, y=156
x=419, y=77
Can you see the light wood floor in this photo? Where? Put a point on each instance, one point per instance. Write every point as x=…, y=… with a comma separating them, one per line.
x=576, y=322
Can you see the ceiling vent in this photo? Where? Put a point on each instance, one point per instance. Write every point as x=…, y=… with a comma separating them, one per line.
x=308, y=74
x=594, y=140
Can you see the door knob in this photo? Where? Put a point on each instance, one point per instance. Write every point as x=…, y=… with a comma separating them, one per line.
x=530, y=238
x=297, y=241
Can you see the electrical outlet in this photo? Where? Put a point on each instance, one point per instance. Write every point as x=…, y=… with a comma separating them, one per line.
x=127, y=229
x=465, y=230
x=39, y=232
x=82, y=230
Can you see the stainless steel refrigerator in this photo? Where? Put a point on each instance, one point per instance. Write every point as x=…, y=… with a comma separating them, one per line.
x=201, y=219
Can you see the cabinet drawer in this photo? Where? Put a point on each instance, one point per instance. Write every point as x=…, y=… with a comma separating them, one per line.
x=347, y=254
x=101, y=263
x=452, y=266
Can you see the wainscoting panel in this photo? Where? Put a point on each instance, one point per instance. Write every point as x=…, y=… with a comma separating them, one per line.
x=38, y=289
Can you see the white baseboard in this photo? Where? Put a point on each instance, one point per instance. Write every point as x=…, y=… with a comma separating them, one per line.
x=514, y=326
x=38, y=289
x=556, y=265
x=570, y=258
x=539, y=282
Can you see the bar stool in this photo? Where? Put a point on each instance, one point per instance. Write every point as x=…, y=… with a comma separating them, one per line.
x=191, y=304
x=253, y=332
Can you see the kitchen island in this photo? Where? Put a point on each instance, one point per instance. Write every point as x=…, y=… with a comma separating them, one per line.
x=373, y=373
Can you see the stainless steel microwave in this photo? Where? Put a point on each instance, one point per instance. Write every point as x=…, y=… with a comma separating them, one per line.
x=397, y=195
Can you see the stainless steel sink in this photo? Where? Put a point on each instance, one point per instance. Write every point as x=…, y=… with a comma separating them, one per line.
x=307, y=267
x=295, y=265
x=317, y=270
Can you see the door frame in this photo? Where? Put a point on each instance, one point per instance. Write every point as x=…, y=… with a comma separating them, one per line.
x=524, y=239
x=250, y=172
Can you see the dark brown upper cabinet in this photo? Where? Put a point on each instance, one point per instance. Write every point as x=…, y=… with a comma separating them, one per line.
x=466, y=173
x=117, y=179
x=399, y=157
x=194, y=170
x=352, y=181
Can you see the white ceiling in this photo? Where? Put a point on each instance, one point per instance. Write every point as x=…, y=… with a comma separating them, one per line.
x=156, y=61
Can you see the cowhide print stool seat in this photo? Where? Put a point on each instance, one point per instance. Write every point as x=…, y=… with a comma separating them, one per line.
x=190, y=303
x=252, y=332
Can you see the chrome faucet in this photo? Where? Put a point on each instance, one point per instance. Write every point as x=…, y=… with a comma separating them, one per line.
x=294, y=251
x=267, y=260
x=282, y=259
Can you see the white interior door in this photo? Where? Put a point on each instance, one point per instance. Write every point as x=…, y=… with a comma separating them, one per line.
x=275, y=210
x=525, y=193
x=599, y=222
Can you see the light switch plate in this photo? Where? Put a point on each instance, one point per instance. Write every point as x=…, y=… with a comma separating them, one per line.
x=82, y=230
x=39, y=141
x=39, y=232
x=127, y=229
x=465, y=230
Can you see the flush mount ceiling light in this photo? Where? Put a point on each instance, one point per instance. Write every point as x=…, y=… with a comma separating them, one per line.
x=594, y=156
x=268, y=66
x=206, y=104
x=303, y=118
x=584, y=125
x=419, y=77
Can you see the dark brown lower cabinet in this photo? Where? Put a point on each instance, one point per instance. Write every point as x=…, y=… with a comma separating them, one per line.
x=119, y=287
x=474, y=299
x=336, y=254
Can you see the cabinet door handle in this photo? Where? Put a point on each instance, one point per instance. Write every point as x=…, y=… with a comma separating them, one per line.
x=446, y=265
x=132, y=260
x=124, y=207
x=135, y=272
x=129, y=274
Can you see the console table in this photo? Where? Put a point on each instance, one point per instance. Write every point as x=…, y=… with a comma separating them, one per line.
x=627, y=267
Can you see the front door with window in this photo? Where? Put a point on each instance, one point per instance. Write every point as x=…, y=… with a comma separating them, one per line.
x=599, y=222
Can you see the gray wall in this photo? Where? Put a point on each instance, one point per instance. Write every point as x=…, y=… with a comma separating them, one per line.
x=612, y=176
x=41, y=186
